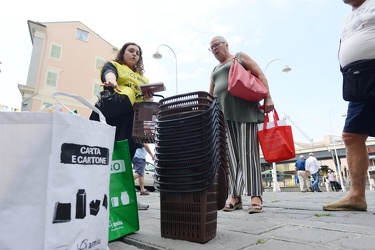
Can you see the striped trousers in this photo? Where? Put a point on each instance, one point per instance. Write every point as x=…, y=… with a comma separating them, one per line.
x=245, y=176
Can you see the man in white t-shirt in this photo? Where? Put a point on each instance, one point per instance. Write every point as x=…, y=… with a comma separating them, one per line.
x=357, y=43
x=313, y=166
x=372, y=184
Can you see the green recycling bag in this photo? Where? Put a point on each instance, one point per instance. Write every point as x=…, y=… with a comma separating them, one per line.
x=123, y=209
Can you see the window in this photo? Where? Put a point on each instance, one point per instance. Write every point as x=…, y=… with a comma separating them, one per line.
x=51, y=79
x=97, y=88
x=82, y=35
x=46, y=105
x=99, y=63
x=56, y=51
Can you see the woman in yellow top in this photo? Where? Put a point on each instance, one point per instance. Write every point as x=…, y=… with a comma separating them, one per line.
x=122, y=77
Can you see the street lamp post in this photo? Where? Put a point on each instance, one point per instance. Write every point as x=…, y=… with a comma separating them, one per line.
x=158, y=55
x=286, y=69
x=335, y=149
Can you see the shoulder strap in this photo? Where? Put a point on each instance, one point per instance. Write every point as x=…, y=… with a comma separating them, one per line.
x=238, y=55
x=238, y=58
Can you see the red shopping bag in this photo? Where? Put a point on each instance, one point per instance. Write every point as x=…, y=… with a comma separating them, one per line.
x=276, y=139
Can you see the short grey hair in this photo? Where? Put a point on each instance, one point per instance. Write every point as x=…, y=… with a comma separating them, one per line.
x=220, y=38
x=311, y=154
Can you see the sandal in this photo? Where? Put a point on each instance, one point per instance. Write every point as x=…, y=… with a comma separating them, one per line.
x=256, y=208
x=343, y=206
x=144, y=193
x=229, y=207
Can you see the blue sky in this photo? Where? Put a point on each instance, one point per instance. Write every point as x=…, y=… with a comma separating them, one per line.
x=303, y=33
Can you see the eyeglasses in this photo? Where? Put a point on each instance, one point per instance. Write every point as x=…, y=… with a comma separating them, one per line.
x=215, y=46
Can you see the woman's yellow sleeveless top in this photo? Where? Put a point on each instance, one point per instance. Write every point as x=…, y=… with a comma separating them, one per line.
x=129, y=81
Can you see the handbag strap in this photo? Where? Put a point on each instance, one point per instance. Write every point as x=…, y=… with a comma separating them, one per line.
x=237, y=57
x=275, y=119
x=266, y=120
x=275, y=115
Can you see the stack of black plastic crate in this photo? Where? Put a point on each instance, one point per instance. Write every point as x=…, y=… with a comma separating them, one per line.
x=190, y=160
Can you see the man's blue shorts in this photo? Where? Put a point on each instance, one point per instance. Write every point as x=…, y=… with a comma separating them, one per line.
x=360, y=118
x=139, y=165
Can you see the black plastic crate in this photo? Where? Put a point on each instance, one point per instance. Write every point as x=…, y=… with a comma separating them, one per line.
x=185, y=147
x=184, y=103
x=162, y=133
x=186, y=97
x=190, y=116
x=192, y=178
x=186, y=125
x=189, y=216
x=186, y=110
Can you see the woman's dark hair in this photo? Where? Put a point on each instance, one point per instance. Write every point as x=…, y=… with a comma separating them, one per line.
x=120, y=58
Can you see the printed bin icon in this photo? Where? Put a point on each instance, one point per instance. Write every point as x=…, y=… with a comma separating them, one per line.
x=189, y=216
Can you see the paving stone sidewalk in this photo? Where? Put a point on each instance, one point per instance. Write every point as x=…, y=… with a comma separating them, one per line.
x=291, y=220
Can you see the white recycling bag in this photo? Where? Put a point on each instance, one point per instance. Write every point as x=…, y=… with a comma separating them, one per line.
x=54, y=180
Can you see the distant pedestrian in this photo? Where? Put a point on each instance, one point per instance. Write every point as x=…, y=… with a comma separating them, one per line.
x=304, y=180
x=372, y=184
x=313, y=166
x=139, y=164
x=332, y=180
x=326, y=182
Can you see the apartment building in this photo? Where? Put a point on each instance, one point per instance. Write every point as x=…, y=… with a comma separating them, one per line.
x=66, y=56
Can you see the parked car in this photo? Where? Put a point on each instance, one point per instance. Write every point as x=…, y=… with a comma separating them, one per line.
x=148, y=178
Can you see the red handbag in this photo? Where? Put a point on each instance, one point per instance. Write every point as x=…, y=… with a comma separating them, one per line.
x=243, y=84
x=276, y=139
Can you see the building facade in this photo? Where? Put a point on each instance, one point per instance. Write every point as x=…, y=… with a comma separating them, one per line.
x=66, y=57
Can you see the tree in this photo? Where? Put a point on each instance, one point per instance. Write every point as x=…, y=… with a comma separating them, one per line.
x=325, y=169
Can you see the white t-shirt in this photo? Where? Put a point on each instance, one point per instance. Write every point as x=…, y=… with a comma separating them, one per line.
x=312, y=165
x=331, y=177
x=358, y=34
